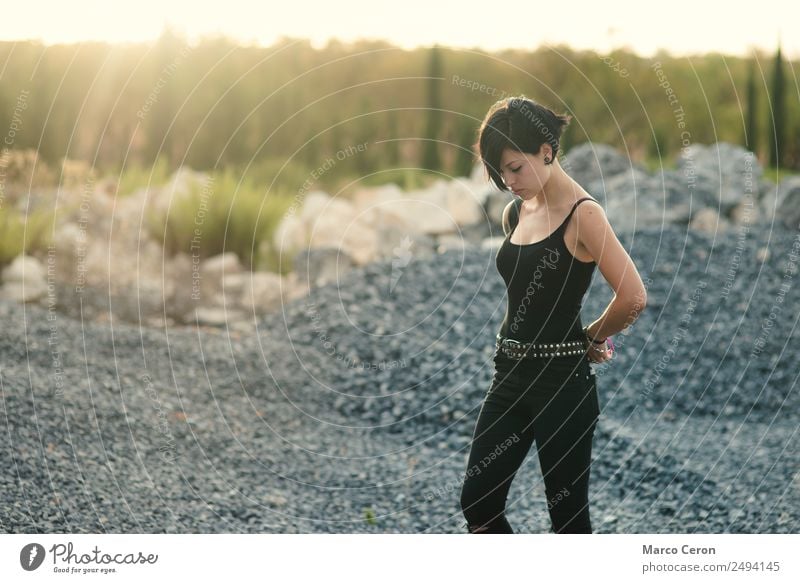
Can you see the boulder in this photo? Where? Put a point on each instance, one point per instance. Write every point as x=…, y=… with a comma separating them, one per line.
x=589, y=162
x=218, y=317
x=294, y=287
x=215, y=269
x=233, y=285
x=492, y=243
x=451, y=242
x=24, y=280
x=729, y=173
x=768, y=204
x=367, y=198
x=341, y=231
x=392, y=238
x=223, y=264
x=633, y=199
x=788, y=201
x=463, y=204
x=319, y=266
x=291, y=234
x=335, y=222
x=263, y=292
x=182, y=285
x=707, y=220
x=494, y=205
x=315, y=203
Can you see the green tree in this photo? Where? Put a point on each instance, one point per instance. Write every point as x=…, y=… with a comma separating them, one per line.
x=430, y=150
x=163, y=99
x=778, y=102
x=465, y=157
x=566, y=136
x=393, y=145
x=751, y=133
x=657, y=147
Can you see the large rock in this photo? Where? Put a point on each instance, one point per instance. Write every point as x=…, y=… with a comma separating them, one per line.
x=492, y=243
x=788, y=201
x=216, y=269
x=290, y=234
x=335, y=222
x=263, y=292
x=24, y=280
x=463, y=203
x=634, y=199
x=68, y=242
x=494, y=205
x=478, y=173
x=247, y=293
x=451, y=242
x=430, y=210
x=315, y=203
x=707, y=220
x=768, y=205
x=220, y=265
x=338, y=230
x=673, y=191
x=395, y=230
x=378, y=220
x=589, y=162
x=729, y=173
x=321, y=266
x=217, y=317
x=182, y=285
x=375, y=197
x=480, y=184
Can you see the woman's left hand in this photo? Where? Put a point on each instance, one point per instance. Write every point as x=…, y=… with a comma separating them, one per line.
x=598, y=352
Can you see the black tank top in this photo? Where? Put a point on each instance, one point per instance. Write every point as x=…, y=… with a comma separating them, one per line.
x=545, y=286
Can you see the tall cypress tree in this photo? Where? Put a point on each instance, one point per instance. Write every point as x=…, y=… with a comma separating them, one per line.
x=567, y=139
x=393, y=145
x=751, y=133
x=465, y=157
x=430, y=151
x=778, y=112
x=158, y=125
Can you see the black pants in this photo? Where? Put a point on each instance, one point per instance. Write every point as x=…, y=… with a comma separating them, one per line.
x=552, y=401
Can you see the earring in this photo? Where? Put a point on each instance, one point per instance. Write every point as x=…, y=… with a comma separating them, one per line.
x=546, y=160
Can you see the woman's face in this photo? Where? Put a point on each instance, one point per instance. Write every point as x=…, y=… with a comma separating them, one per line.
x=525, y=174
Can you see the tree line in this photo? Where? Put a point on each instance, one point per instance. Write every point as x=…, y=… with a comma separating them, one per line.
x=288, y=111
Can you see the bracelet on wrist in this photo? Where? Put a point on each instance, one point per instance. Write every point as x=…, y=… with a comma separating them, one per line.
x=586, y=333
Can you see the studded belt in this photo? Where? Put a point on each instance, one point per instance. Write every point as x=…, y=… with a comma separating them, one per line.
x=516, y=349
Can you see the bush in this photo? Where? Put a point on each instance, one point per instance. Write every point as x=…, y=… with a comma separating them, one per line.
x=222, y=216
x=405, y=178
x=777, y=174
x=19, y=235
x=136, y=176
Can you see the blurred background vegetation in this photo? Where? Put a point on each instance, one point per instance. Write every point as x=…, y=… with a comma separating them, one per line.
x=272, y=122
x=280, y=111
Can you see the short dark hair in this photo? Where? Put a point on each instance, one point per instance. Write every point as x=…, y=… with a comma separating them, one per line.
x=522, y=125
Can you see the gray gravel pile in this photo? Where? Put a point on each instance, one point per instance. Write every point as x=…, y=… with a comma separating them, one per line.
x=352, y=410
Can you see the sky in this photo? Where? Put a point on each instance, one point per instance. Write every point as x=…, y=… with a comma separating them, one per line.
x=683, y=27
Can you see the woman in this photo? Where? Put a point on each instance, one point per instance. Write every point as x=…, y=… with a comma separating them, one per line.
x=544, y=387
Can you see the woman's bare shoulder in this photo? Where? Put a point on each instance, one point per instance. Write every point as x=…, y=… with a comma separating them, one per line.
x=582, y=194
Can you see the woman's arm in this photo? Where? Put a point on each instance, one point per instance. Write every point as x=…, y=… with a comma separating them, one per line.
x=630, y=296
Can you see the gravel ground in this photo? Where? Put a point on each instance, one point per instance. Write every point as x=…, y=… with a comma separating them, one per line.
x=352, y=410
